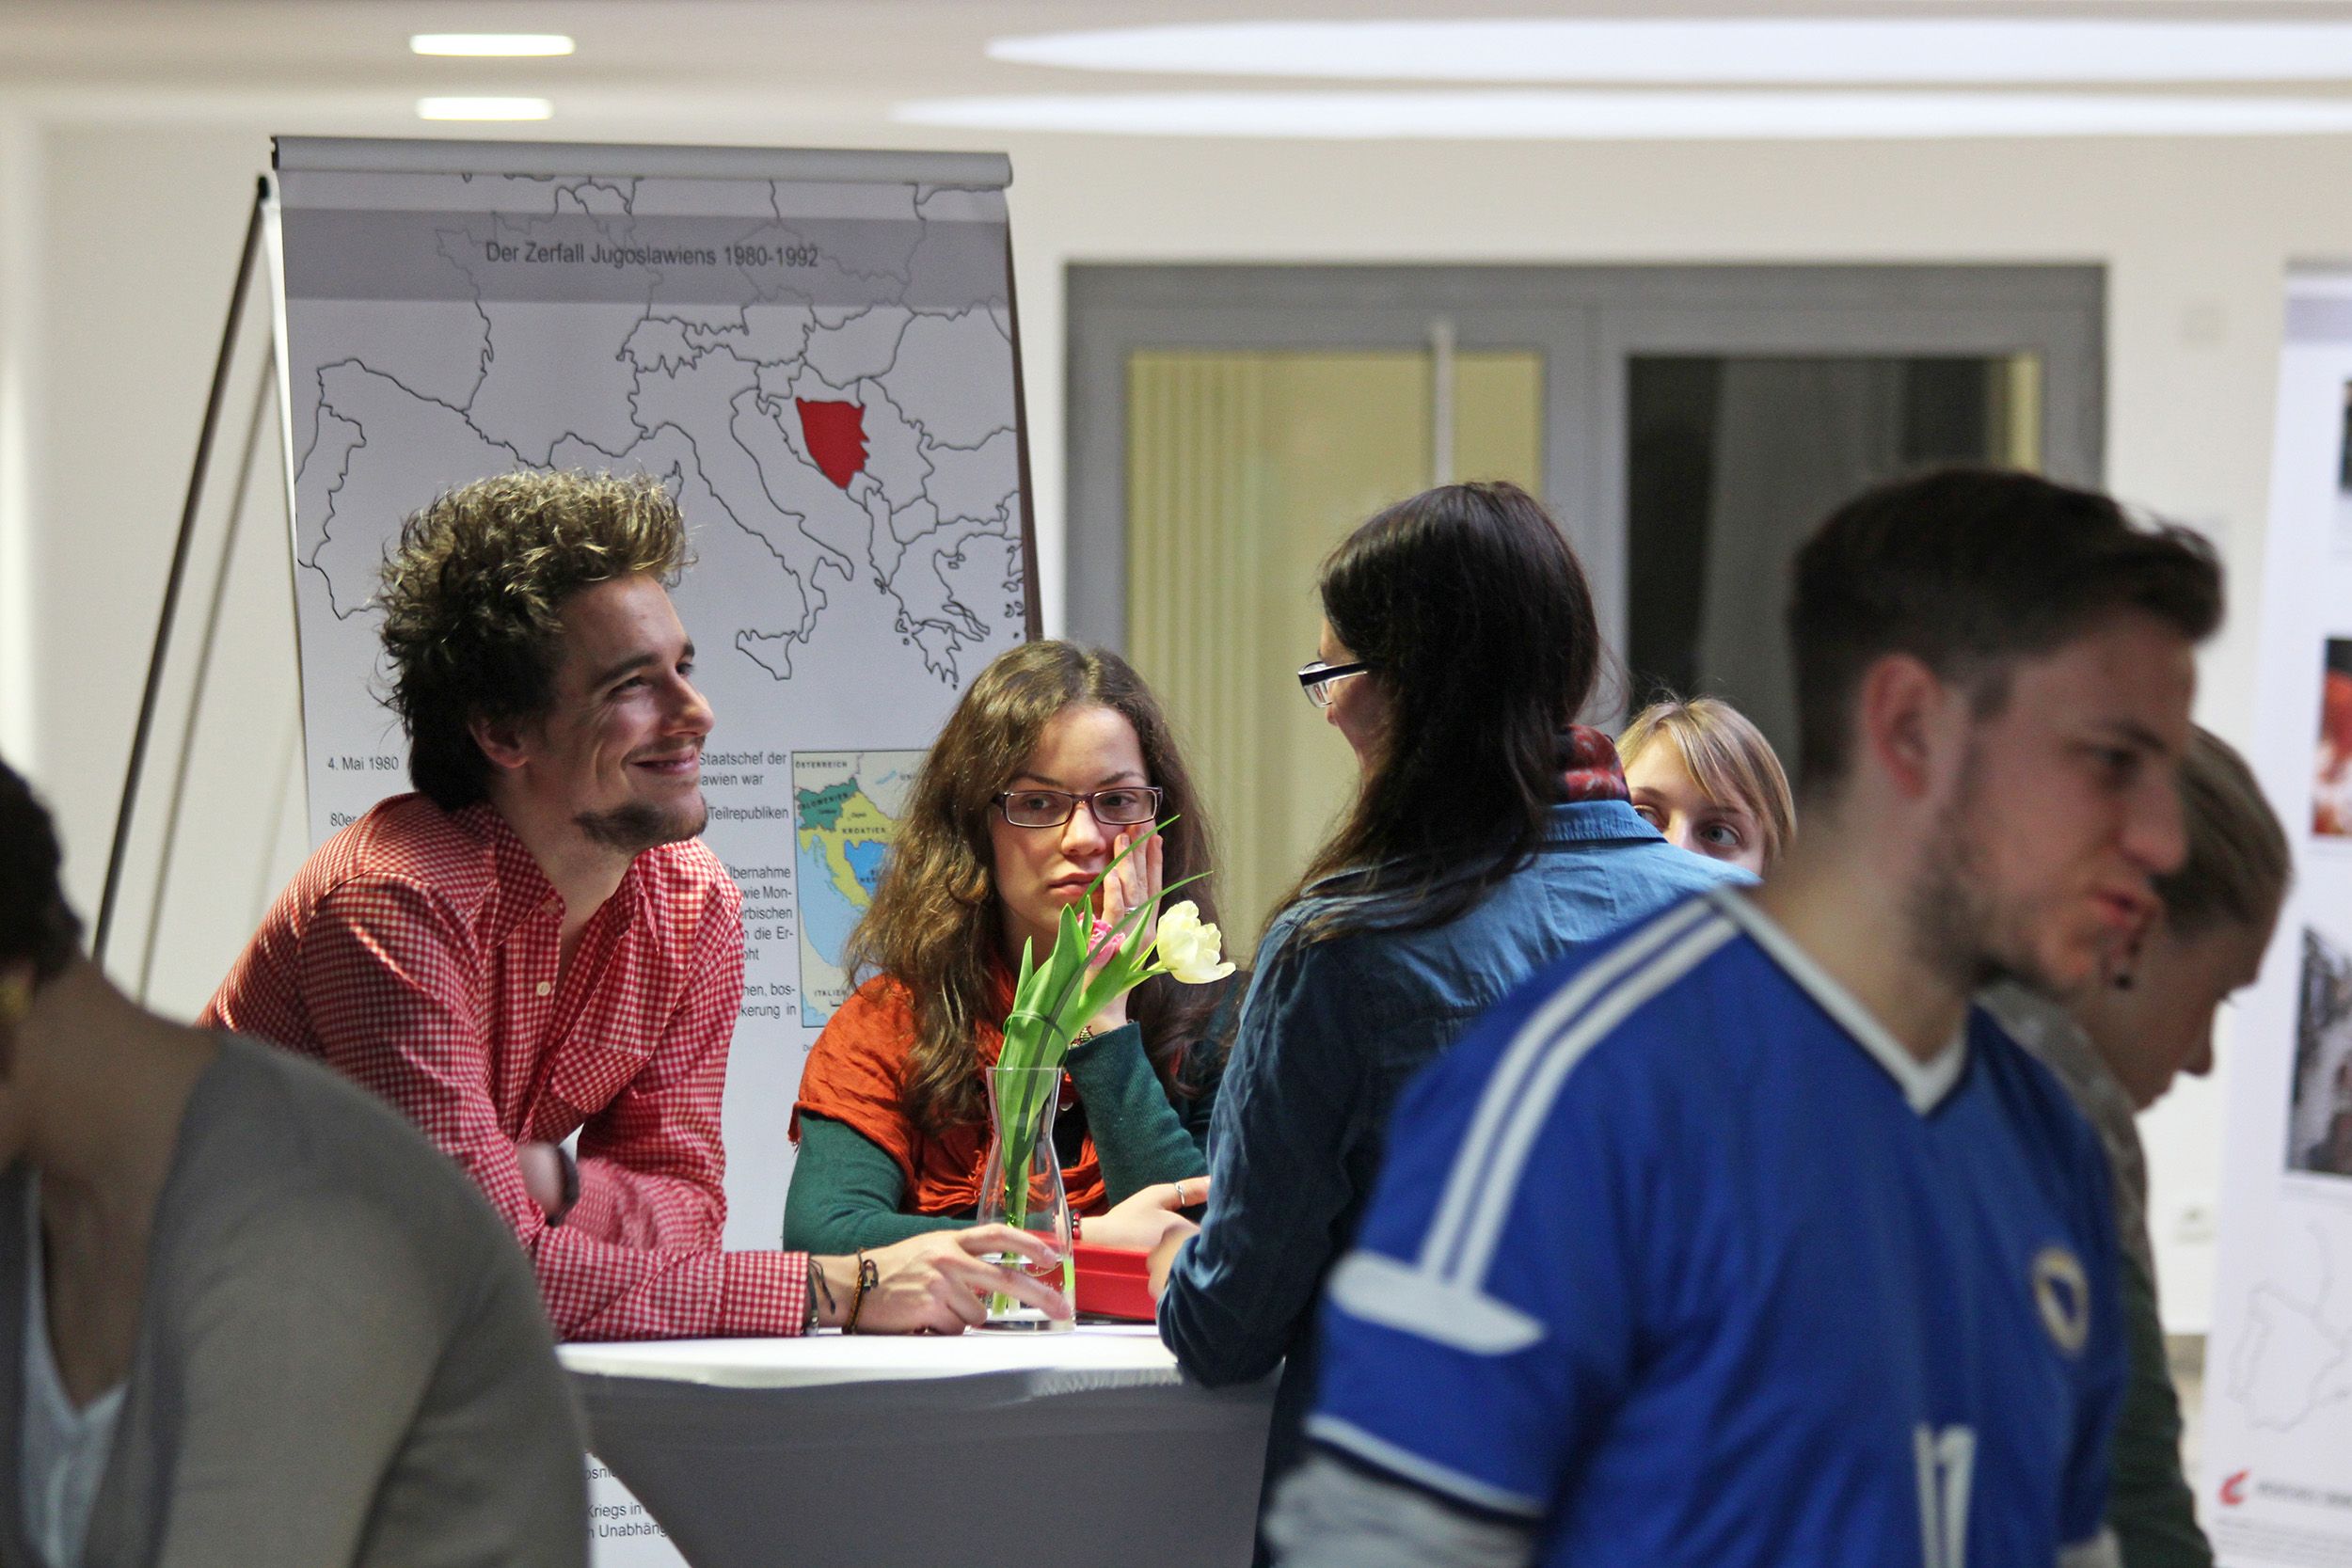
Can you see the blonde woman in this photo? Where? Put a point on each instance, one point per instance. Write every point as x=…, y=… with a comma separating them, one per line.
x=1706, y=778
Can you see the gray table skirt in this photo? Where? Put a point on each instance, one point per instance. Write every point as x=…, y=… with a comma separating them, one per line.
x=1045, y=1469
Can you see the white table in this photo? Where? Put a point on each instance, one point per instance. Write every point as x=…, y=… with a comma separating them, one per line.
x=1085, y=1449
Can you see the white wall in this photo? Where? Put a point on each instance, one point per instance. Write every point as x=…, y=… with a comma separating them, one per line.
x=117, y=233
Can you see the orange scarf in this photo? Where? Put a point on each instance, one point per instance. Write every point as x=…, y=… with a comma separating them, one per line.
x=856, y=1075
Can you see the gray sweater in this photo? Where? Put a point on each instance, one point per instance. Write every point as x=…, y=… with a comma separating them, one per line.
x=342, y=1358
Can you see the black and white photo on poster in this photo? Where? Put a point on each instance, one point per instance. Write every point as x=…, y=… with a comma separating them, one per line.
x=2319, y=1115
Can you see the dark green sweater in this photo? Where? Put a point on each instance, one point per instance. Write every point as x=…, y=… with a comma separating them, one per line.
x=847, y=1190
x=2148, y=1504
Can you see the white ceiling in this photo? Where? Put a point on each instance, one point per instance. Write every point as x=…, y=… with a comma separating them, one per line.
x=889, y=47
x=840, y=63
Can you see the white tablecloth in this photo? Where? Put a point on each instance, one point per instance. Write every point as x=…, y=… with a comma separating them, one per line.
x=1118, y=1355
x=1085, y=1449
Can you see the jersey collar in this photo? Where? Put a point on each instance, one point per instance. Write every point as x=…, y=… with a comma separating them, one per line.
x=1924, y=1084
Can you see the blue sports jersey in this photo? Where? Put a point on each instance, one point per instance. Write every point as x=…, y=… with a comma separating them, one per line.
x=1680, y=1256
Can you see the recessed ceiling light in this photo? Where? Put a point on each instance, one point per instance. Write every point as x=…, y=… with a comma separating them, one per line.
x=1604, y=116
x=1821, y=50
x=484, y=108
x=501, y=44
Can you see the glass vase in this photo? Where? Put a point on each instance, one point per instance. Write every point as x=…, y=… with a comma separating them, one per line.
x=1021, y=1186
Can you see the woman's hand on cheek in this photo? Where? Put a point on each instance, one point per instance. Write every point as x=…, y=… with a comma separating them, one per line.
x=1134, y=884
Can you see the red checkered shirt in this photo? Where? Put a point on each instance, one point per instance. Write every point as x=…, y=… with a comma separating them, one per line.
x=418, y=953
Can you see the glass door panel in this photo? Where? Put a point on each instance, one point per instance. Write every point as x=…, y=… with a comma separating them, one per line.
x=1243, y=469
x=1730, y=461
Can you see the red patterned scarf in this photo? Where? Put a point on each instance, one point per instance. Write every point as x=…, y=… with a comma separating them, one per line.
x=1594, y=772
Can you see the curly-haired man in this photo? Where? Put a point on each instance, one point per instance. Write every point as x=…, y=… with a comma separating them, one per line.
x=537, y=944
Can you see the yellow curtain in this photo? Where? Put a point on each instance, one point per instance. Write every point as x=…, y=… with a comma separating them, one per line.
x=1243, y=469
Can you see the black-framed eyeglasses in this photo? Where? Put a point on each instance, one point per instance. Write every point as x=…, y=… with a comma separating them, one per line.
x=1318, y=678
x=1120, y=806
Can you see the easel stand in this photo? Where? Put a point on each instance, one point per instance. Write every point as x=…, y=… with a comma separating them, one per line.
x=143, y=734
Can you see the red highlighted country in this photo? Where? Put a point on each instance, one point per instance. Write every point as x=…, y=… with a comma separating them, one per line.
x=836, y=433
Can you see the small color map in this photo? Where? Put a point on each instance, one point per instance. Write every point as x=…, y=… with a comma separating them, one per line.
x=845, y=807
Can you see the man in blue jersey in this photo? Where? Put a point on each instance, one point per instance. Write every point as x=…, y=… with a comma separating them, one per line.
x=1739, y=1239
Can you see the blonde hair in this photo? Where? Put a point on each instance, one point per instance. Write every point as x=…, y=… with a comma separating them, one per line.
x=2238, y=865
x=1725, y=755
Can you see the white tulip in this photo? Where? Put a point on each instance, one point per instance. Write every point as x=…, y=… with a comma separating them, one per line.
x=1188, y=948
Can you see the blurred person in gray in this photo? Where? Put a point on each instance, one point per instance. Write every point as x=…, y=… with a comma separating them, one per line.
x=249, y=1317
x=2116, y=1045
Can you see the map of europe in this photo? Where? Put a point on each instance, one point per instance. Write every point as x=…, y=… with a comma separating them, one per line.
x=821, y=374
x=790, y=423
x=854, y=442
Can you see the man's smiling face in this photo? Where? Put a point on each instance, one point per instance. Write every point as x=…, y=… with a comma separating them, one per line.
x=620, y=751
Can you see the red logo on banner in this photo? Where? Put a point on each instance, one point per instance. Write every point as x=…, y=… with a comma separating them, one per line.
x=2233, y=1488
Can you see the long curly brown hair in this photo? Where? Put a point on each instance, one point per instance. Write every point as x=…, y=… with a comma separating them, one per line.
x=935, y=924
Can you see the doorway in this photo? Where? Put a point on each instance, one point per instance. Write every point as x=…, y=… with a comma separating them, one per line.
x=1685, y=425
x=1731, y=460
x=1245, y=466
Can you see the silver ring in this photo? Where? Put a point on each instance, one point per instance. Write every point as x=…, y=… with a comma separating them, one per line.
x=1180, y=1196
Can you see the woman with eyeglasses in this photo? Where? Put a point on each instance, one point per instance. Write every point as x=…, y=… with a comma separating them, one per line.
x=1054, y=762
x=1489, y=834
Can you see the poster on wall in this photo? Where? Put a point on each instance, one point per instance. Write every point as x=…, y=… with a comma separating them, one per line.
x=814, y=351
x=2276, y=1488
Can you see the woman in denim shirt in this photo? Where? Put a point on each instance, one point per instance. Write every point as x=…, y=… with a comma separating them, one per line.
x=1488, y=838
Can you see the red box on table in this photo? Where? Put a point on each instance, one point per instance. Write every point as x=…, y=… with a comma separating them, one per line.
x=1113, y=1282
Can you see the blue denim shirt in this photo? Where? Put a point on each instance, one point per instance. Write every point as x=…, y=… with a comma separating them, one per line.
x=1329, y=1033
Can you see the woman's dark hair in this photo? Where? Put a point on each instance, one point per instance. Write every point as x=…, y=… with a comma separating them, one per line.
x=935, y=925
x=35, y=921
x=1475, y=618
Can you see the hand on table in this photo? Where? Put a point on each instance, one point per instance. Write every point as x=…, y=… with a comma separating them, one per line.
x=1146, y=1215
x=1134, y=884
x=933, y=1283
